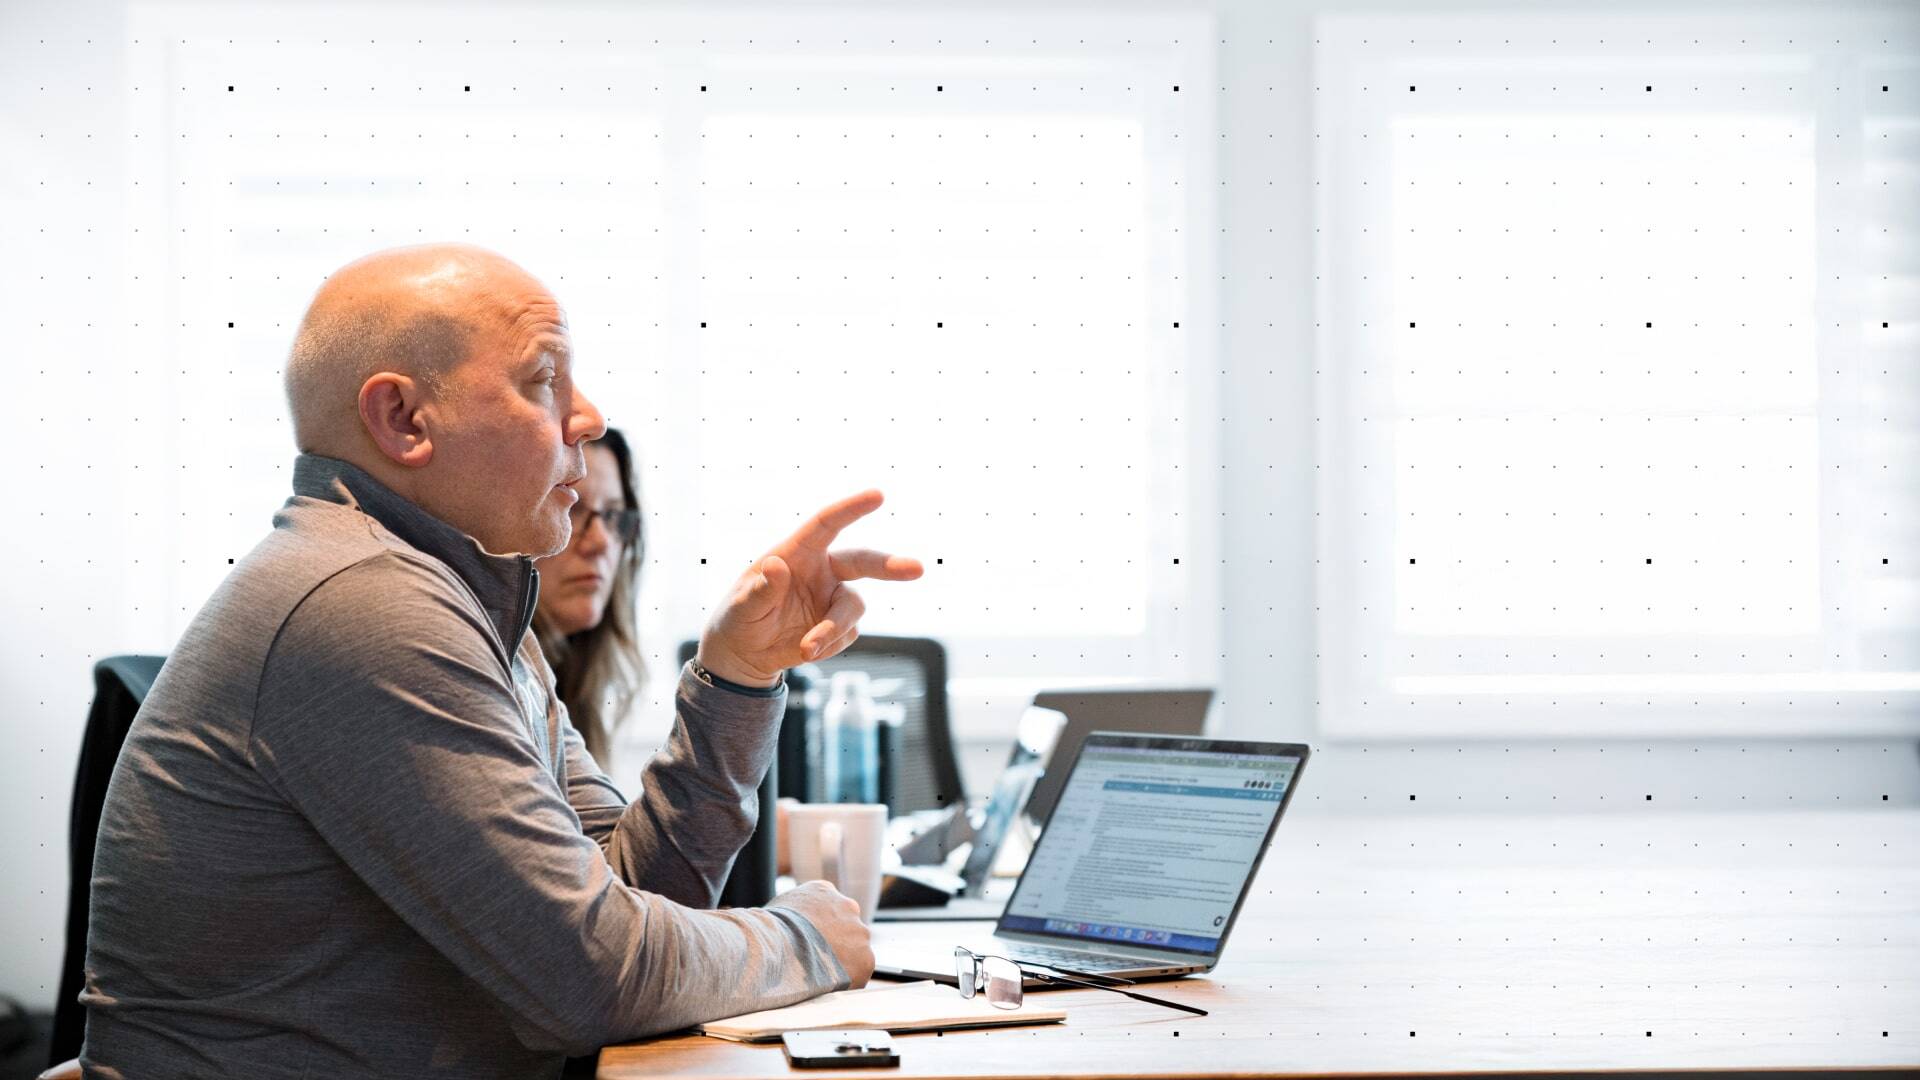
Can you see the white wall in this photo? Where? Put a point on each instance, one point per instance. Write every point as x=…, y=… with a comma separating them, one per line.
x=79, y=444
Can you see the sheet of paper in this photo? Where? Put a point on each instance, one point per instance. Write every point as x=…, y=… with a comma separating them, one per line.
x=907, y=1007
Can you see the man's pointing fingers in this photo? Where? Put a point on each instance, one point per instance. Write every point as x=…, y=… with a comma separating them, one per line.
x=864, y=563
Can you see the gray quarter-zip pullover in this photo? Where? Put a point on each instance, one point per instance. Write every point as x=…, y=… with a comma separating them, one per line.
x=352, y=833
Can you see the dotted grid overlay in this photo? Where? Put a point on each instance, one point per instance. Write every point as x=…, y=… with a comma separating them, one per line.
x=977, y=244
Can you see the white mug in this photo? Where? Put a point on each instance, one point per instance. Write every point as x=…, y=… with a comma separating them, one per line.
x=842, y=844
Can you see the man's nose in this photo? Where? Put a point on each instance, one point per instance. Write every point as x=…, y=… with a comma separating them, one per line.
x=586, y=424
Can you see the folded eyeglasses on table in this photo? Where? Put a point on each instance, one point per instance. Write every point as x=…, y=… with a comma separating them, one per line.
x=1003, y=980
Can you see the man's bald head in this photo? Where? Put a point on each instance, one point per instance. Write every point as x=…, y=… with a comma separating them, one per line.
x=446, y=373
x=415, y=311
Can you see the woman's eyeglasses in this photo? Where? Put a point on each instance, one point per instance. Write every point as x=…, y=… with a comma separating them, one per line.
x=622, y=523
x=1002, y=980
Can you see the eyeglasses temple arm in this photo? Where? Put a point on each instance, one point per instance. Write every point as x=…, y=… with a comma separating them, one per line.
x=1127, y=993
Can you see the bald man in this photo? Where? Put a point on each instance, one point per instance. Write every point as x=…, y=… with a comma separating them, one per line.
x=352, y=833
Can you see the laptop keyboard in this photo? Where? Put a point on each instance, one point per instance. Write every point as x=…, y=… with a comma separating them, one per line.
x=1071, y=960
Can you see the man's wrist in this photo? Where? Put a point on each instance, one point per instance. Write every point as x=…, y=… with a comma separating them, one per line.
x=717, y=658
x=752, y=689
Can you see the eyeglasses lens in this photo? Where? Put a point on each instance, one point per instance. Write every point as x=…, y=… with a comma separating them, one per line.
x=966, y=970
x=1003, y=982
x=623, y=524
x=627, y=526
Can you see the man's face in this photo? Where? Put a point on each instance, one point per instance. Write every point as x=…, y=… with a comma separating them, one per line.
x=512, y=434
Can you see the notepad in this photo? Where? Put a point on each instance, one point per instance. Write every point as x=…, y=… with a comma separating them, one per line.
x=901, y=1009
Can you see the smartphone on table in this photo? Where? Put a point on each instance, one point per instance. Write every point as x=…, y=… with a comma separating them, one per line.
x=838, y=1049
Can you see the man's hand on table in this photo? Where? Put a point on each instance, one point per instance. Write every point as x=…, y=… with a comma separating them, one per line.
x=791, y=606
x=837, y=918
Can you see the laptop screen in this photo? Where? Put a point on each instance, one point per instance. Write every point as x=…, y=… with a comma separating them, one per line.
x=1155, y=841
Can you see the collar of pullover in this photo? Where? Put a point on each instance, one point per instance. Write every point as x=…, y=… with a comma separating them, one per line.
x=507, y=585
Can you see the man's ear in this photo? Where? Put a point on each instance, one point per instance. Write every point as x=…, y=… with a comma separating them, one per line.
x=390, y=410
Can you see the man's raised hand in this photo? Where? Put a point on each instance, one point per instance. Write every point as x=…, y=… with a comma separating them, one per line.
x=792, y=605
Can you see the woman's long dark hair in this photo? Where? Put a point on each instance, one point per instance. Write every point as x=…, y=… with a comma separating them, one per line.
x=598, y=671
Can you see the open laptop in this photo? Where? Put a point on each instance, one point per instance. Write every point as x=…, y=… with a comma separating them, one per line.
x=974, y=894
x=971, y=894
x=1148, y=711
x=1146, y=863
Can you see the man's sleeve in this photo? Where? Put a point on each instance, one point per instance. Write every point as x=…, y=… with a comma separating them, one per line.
x=387, y=720
x=698, y=799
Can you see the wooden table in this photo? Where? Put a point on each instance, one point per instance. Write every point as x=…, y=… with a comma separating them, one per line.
x=1459, y=944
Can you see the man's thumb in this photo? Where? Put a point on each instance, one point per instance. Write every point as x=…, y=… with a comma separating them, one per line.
x=764, y=587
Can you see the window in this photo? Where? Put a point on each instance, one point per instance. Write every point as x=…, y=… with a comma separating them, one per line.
x=800, y=258
x=1612, y=437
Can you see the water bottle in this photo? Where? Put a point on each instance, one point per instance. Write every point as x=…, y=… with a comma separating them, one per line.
x=851, y=741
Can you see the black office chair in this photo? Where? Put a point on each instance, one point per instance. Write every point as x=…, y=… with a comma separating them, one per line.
x=120, y=684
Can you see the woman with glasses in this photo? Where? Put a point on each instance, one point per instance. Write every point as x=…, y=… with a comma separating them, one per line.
x=585, y=619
